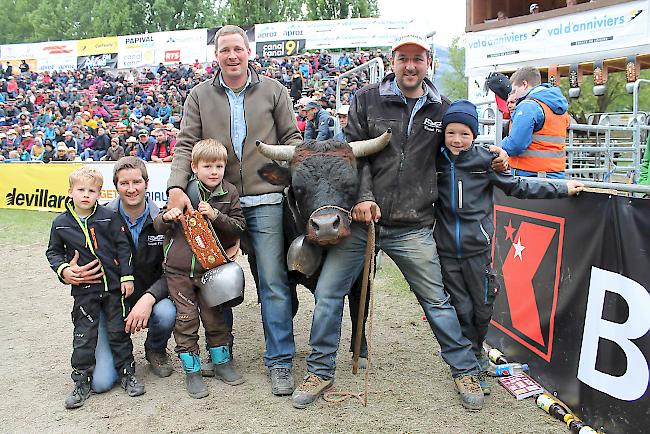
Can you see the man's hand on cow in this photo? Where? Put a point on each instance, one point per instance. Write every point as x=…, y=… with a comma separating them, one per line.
x=173, y=214
x=76, y=275
x=138, y=318
x=500, y=163
x=178, y=199
x=362, y=212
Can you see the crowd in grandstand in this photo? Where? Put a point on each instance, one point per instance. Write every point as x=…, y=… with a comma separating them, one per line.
x=102, y=114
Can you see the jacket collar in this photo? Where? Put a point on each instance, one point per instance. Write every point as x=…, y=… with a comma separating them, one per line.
x=153, y=208
x=432, y=94
x=253, y=75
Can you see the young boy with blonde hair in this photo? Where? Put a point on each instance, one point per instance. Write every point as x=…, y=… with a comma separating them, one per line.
x=218, y=201
x=91, y=232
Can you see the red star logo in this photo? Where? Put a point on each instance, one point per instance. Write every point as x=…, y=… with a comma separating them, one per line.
x=509, y=231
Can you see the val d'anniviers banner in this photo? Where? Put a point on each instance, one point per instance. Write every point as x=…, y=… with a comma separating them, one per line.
x=574, y=301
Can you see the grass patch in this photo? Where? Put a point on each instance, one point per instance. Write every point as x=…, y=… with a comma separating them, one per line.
x=389, y=276
x=20, y=227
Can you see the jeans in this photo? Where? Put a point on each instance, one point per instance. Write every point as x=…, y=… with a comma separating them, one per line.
x=97, y=155
x=266, y=235
x=160, y=326
x=414, y=252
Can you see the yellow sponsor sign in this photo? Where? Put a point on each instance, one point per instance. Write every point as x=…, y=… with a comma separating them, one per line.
x=32, y=186
x=104, y=45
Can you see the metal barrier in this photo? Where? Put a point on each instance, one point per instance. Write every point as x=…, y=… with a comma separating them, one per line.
x=375, y=69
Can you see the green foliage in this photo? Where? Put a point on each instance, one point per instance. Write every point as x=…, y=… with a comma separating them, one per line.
x=246, y=13
x=454, y=82
x=341, y=9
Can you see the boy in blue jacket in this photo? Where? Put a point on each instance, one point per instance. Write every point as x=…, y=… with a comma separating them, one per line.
x=89, y=231
x=464, y=227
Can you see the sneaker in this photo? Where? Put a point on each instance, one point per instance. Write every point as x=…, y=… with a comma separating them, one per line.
x=79, y=395
x=227, y=373
x=160, y=363
x=482, y=381
x=281, y=381
x=195, y=385
x=310, y=390
x=131, y=385
x=471, y=394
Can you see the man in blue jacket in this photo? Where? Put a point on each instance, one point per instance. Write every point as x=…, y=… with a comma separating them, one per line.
x=536, y=142
x=320, y=125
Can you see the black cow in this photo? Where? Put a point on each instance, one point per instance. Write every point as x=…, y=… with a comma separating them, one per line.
x=322, y=185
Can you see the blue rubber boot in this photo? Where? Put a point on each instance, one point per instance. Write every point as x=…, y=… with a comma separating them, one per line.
x=223, y=366
x=196, y=388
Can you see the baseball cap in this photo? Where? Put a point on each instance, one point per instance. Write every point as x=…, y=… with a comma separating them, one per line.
x=143, y=133
x=533, y=6
x=343, y=110
x=313, y=105
x=411, y=39
x=131, y=139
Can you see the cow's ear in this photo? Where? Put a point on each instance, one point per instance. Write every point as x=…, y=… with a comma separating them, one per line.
x=275, y=174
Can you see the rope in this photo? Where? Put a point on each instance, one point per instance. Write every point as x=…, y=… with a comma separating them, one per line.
x=334, y=397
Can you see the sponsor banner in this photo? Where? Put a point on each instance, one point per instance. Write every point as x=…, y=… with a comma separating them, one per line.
x=574, y=299
x=288, y=47
x=185, y=46
x=20, y=51
x=612, y=28
x=135, y=51
x=97, y=61
x=328, y=34
x=44, y=187
x=56, y=63
x=103, y=45
x=56, y=48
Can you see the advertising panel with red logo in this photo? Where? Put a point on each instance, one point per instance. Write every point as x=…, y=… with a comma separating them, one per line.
x=574, y=301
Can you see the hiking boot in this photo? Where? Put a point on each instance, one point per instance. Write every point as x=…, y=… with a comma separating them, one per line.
x=79, y=395
x=160, y=363
x=471, y=394
x=195, y=385
x=281, y=381
x=131, y=385
x=482, y=381
x=311, y=388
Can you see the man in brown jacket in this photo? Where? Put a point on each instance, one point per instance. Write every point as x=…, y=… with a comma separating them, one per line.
x=237, y=108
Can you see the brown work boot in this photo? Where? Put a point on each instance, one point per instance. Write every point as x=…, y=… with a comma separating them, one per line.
x=471, y=394
x=160, y=363
x=311, y=388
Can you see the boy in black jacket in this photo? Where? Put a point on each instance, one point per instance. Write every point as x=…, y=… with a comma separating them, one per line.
x=463, y=229
x=94, y=232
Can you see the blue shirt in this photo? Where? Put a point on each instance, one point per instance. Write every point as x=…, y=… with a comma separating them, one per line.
x=134, y=227
x=237, y=136
x=418, y=104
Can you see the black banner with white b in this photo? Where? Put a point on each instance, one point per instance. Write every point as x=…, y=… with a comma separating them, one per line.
x=574, y=301
x=288, y=47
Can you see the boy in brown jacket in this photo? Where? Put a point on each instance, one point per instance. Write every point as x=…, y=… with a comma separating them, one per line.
x=219, y=203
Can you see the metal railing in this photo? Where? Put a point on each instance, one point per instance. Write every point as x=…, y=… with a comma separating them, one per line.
x=375, y=69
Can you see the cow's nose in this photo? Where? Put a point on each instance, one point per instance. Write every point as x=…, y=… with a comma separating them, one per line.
x=326, y=227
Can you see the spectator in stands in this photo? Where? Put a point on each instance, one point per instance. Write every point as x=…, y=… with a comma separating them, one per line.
x=131, y=147
x=164, y=112
x=100, y=145
x=301, y=115
x=48, y=153
x=38, y=150
x=145, y=145
x=115, y=151
x=342, y=115
x=24, y=67
x=536, y=141
x=320, y=125
x=296, y=86
x=163, y=150
x=344, y=60
x=61, y=152
x=534, y=8
x=176, y=113
x=27, y=142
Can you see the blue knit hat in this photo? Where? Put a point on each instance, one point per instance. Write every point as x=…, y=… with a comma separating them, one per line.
x=463, y=112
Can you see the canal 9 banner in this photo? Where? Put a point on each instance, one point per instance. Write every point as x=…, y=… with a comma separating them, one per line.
x=574, y=301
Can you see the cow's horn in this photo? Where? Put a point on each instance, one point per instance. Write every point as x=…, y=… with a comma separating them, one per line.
x=368, y=147
x=276, y=152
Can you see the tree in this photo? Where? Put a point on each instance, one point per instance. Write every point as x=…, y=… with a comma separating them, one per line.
x=341, y=9
x=453, y=82
x=245, y=13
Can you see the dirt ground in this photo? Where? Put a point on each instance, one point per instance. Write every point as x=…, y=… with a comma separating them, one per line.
x=411, y=389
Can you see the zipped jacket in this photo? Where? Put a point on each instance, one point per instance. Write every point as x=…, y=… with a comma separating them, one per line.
x=464, y=225
x=102, y=236
x=147, y=255
x=229, y=224
x=401, y=178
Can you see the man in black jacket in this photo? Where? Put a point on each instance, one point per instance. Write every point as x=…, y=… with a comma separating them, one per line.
x=399, y=183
